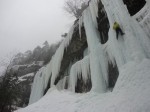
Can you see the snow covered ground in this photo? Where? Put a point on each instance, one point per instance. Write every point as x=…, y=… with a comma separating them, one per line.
x=131, y=94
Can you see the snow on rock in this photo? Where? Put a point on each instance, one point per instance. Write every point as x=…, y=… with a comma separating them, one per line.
x=131, y=94
x=23, y=78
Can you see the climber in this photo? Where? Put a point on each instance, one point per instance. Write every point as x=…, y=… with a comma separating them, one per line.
x=116, y=27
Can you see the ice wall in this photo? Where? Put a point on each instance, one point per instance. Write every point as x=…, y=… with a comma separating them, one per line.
x=135, y=44
x=37, y=87
x=40, y=83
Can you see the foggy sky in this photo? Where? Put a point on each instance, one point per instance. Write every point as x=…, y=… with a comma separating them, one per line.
x=24, y=24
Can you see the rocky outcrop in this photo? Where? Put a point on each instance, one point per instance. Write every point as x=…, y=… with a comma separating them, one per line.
x=25, y=91
x=134, y=5
x=25, y=69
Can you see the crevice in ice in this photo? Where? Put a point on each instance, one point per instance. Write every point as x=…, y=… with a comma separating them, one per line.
x=48, y=85
x=83, y=86
x=113, y=74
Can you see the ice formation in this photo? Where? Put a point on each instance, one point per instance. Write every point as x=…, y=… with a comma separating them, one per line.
x=78, y=70
x=37, y=88
x=131, y=94
x=133, y=46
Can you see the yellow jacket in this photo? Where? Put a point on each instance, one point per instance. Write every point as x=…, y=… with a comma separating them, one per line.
x=116, y=25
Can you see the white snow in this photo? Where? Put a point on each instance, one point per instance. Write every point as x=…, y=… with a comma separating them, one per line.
x=131, y=94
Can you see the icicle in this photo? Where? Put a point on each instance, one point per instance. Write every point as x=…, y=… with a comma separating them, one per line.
x=61, y=84
x=78, y=70
x=37, y=87
x=93, y=5
x=91, y=31
x=86, y=52
x=80, y=25
x=40, y=83
x=57, y=58
x=97, y=76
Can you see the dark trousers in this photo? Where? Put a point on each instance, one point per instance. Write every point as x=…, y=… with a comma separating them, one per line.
x=118, y=30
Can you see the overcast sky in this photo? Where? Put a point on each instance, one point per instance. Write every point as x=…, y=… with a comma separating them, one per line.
x=24, y=24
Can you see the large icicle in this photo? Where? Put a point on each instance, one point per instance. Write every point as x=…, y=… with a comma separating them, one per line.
x=37, y=87
x=57, y=58
x=40, y=83
x=97, y=76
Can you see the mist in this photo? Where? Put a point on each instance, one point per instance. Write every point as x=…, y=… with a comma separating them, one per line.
x=24, y=24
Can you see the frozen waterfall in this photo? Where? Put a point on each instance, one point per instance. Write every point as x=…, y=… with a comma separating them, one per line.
x=133, y=46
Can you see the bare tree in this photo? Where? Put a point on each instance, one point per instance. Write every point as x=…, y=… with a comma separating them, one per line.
x=75, y=7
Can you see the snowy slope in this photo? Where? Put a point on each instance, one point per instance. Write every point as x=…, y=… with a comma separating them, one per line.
x=131, y=94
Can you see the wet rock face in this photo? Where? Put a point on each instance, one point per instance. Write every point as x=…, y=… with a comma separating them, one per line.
x=103, y=23
x=73, y=51
x=134, y=6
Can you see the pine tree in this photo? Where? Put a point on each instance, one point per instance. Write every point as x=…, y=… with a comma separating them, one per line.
x=9, y=91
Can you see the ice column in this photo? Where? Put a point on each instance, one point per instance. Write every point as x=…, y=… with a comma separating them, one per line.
x=92, y=34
